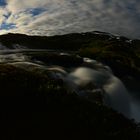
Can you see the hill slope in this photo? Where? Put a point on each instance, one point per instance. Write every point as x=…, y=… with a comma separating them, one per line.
x=35, y=105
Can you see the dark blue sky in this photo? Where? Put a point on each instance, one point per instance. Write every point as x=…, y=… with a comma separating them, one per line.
x=2, y=2
x=51, y=17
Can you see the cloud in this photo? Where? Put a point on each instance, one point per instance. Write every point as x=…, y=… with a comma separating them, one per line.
x=16, y=6
x=3, y=14
x=50, y=17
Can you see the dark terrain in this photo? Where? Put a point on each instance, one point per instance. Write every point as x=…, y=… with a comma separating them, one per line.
x=34, y=105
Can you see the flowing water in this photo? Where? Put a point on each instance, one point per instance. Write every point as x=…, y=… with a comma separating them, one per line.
x=79, y=77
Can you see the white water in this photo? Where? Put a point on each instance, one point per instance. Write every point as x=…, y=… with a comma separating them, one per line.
x=116, y=95
x=13, y=58
x=135, y=109
x=78, y=79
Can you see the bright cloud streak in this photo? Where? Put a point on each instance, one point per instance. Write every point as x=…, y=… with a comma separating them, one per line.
x=50, y=17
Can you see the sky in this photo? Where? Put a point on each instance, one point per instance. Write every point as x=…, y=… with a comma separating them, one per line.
x=55, y=17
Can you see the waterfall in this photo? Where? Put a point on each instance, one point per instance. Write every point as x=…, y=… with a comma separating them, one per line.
x=135, y=109
x=84, y=79
x=116, y=95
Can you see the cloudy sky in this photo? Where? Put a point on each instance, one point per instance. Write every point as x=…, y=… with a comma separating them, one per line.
x=50, y=17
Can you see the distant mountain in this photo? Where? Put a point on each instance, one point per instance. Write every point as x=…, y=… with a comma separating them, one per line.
x=72, y=41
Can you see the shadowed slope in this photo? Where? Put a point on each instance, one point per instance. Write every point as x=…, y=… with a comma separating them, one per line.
x=35, y=106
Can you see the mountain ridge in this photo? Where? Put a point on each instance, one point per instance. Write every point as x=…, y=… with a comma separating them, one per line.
x=56, y=42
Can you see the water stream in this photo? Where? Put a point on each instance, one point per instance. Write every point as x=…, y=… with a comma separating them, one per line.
x=79, y=77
